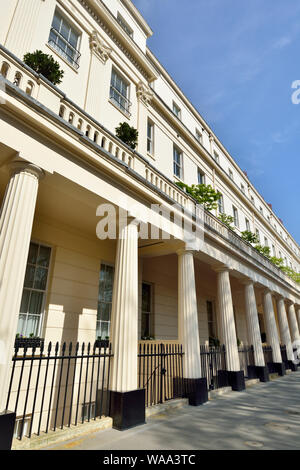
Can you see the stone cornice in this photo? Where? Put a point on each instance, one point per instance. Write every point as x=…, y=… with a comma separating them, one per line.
x=101, y=14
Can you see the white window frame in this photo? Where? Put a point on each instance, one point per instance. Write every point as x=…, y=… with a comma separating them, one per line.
x=99, y=321
x=150, y=140
x=176, y=110
x=32, y=289
x=124, y=25
x=216, y=156
x=230, y=173
x=199, y=136
x=176, y=164
x=235, y=216
x=55, y=44
x=151, y=312
x=247, y=222
x=119, y=99
x=221, y=204
x=200, y=173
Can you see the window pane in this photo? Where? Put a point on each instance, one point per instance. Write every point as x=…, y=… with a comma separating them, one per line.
x=56, y=21
x=146, y=298
x=29, y=276
x=44, y=256
x=32, y=326
x=21, y=324
x=36, y=302
x=145, y=330
x=25, y=301
x=32, y=255
x=40, y=278
x=104, y=311
x=104, y=329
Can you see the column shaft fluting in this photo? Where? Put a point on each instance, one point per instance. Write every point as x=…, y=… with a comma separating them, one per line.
x=227, y=324
x=272, y=333
x=188, y=315
x=284, y=328
x=124, y=317
x=16, y=221
x=254, y=335
x=293, y=323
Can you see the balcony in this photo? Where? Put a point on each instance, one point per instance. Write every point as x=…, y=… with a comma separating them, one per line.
x=58, y=106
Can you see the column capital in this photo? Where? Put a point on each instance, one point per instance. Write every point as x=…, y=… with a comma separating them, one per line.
x=183, y=251
x=246, y=281
x=222, y=268
x=22, y=166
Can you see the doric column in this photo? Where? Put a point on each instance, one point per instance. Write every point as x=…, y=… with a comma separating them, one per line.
x=284, y=330
x=188, y=328
x=293, y=322
x=127, y=403
x=272, y=333
x=254, y=336
x=298, y=316
x=227, y=329
x=16, y=221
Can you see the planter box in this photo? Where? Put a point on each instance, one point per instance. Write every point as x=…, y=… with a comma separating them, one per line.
x=102, y=343
x=29, y=342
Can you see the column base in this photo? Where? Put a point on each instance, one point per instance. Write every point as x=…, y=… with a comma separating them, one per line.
x=7, y=426
x=196, y=391
x=128, y=409
x=278, y=368
x=291, y=365
x=258, y=372
x=222, y=379
x=236, y=380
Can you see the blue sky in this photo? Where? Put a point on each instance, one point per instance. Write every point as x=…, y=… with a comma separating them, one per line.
x=236, y=61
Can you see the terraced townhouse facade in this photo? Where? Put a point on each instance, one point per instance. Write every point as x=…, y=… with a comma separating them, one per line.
x=60, y=160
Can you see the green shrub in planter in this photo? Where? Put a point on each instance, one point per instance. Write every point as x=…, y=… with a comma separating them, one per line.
x=45, y=65
x=128, y=134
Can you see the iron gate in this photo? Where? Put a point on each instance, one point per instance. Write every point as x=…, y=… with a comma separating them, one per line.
x=160, y=372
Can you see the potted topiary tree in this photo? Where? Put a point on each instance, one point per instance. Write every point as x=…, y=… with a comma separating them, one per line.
x=128, y=134
x=45, y=65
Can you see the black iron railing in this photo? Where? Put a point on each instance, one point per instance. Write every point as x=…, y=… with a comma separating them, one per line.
x=64, y=47
x=213, y=366
x=160, y=371
x=284, y=356
x=268, y=355
x=246, y=356
x=57, y=387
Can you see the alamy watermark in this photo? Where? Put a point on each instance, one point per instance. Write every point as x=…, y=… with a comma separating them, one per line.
x=156, y=222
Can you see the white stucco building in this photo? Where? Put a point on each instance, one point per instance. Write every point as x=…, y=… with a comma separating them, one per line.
x=60, y=160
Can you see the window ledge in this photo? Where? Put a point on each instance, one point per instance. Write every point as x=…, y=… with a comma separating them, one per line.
x=127, y=115
x=62, y=58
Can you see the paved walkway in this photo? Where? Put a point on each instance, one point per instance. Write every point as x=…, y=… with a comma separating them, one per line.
x=265, y=416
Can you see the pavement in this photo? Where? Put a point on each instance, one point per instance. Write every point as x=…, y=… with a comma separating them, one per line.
x=263, y=417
